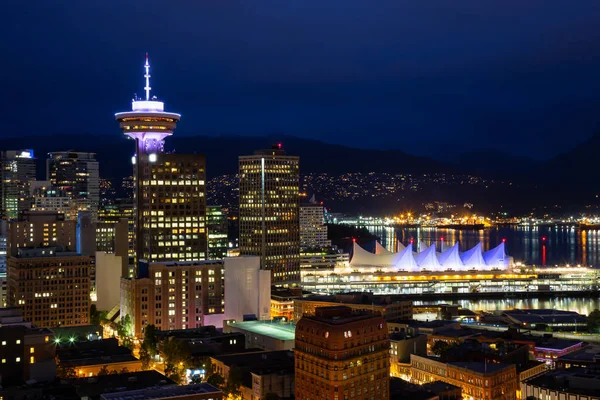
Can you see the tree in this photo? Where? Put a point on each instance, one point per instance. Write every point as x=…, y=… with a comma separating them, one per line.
x=124, y=370
x=234, y=381
x=149, y=346
x=176, y=355
x=216, y=380
x=65, y=372
x=440, y=347
x=103, y=371
x=113, y=372
x=124, y=327
x=593, y=323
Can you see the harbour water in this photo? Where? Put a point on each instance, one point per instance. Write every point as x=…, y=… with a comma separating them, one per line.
x=542, y=246
x=580, y=305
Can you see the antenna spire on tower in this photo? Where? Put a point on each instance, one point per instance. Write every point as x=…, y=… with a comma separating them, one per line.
x=147, y=76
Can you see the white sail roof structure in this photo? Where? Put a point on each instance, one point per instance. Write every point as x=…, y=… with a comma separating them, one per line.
x=427, y=259
x=422, y=246
x=379, y=249
x=406, y=261
x=496, y=257
x=399, y=246
x=450, y=258
x=431, y=260
x=473, y=258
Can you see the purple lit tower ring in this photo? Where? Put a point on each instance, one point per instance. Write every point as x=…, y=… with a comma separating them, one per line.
x=148, y=124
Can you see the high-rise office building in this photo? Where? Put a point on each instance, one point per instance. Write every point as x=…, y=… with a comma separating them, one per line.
x=44, y=197
x=170, y=203
x=269, y=212
x=216, y=226
x=52, y=288
x=77, y=174
x=18, y=171
x=121, y=209
x=313, y=230
x=341, y=354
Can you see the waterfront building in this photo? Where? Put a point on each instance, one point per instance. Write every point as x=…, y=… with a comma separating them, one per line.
x=41, y=229
x=77, y=175
x=18, y=172
x=313, y=230
x=216, y=226
x=541, y=319
x=549, y=350
x=478, y=380
x=52, y=287
x=429, y=259
x=247, y=289
x=262, y=372
x=265, y=335
x=26, y=352
x=174, y=295
x=382, y=305
x=342, y=352
x=269, y=212
x=170, y=193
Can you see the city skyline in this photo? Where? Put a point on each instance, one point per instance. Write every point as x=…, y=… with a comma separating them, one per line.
x=453, y=78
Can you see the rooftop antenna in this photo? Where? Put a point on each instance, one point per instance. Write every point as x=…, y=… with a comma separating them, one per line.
x=147, y=76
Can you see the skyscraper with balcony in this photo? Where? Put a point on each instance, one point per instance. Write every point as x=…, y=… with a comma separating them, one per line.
x=18, y=171
x=77, y=175
x=170, y=201
x=269, y=212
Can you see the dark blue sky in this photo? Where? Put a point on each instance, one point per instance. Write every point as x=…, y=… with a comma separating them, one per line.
x=422, y=76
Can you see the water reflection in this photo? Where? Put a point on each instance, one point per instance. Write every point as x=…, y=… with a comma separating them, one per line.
x=580, y=305
x=532, y=245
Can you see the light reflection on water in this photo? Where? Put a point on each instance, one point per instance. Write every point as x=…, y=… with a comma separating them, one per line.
x=531, y=245
x=580, y=305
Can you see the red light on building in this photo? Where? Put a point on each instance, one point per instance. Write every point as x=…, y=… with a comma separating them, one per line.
x=279, y=145
x=354, y=239
x=503, y=240
x=543, y=238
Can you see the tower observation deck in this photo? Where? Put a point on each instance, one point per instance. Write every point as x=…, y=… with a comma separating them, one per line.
x=148, y=124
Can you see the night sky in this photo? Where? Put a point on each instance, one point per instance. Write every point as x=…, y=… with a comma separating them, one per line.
x=428, y=77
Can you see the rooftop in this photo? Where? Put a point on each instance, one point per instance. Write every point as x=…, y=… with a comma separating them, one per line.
x=589, y=353
x=96, y=386
x=162, y=392
x=572, y=380
x=260, y=361
x=277, y=330
x=101, y=360
x=556, y=344
x=481, y=367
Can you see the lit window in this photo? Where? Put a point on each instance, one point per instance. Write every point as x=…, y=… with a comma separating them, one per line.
x=4, y=343
x=32, y=360
x=18, y=359
x=18, y=341
x=31, y=350
x=4, y=361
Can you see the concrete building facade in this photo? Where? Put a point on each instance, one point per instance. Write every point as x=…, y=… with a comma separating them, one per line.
x=173, y=295
x=247, y=289
x=52, y=288
x=342, y=354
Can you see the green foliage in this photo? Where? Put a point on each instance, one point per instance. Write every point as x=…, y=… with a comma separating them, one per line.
x=103, y=371
x=65, y=372
x=440, y=347
x=234, y=381
x=593, y=323
x=125, y=327
x=149, y=346
x=217, y=381
x=145, y=359
x=177, y=356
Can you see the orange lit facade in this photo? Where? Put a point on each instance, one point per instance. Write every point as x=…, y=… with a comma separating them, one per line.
x=478, y=382
x=342, y=354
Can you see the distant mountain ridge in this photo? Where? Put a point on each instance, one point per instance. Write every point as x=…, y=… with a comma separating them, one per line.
x=569, y=178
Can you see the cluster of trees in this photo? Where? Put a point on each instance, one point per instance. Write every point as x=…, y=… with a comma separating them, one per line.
x=175, y=354
x=230, y=387
x=68, y=372
x=125, y=331
x=440, y=347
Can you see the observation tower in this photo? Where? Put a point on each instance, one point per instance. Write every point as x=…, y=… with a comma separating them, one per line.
x=148, y=124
